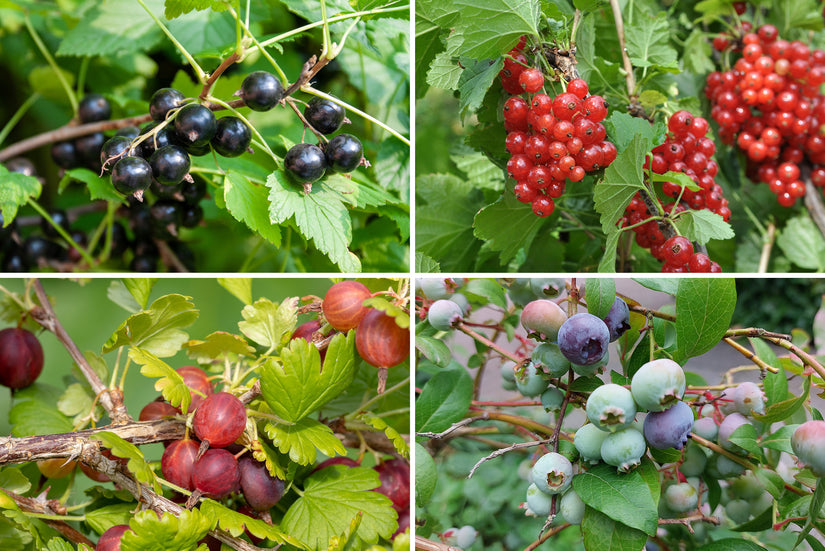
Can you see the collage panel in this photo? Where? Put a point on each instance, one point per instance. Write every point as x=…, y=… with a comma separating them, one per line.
x=134, y=136
x=225, y=414
x=600, y=413
x=620, y=137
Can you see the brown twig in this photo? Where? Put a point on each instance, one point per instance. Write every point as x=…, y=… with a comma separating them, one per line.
x=750, y=355
x=502, y=451
x=321, y=137
x=429, y=545
x=454, y=427
x=487, y=342
x=689, y=519
x=546, y=536
x=42, y=506
x=806, y=358
x=110, y=399
x=207, y=86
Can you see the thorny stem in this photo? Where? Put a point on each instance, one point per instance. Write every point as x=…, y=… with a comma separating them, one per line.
x=49, y=510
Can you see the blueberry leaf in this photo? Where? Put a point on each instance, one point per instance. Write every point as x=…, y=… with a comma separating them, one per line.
x=705, y=308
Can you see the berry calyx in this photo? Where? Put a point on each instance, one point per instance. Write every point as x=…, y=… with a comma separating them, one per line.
x=195, y=125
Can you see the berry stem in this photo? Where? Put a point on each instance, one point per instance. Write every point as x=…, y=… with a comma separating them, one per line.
x=628, y=67
x=197, y=68
x=321, y=137
x=487, y=342
x=210, y=82
x=50, y=60
x=251, y=36
x=767, y=245
x=17, y=116
x=750, y=355
x=59, y=229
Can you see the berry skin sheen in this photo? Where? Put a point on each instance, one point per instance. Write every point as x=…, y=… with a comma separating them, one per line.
x=657, y=385
x=748, y=398
x=618, y=319
x=170, y=164
x=163, y=101
x=669, y=428
x=21, y=358
x=444, y=314
x=552, y=473
x=344, y=153
x=588, y=441
x=624, y=449
x=531, y=382
x=611, y=407
x=232, y=137
x=261, y=91
x=195, y=125
x=548, y=355
x=305, y=162
x=544, y=317
x=583, y=339
x=325, y=116
x=131, y=174
x=808, y=443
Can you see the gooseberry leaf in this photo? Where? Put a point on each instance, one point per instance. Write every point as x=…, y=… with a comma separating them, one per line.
x=170, y=384
x=241, y=287
x=268, y=323
x=110, y=515
x=137, y=464
x=235, y=523
x=167, y=533
x=158, y=329
x=301, y=440
x=332, y=498
x=393, y=435
x=140, y=288
x=219, y=344
x=12, y=480
x=34, y=413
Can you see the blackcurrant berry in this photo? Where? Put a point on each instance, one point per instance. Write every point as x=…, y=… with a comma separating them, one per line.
x=130, y=132
x=60, y=218
x=220, y=419
x=88, y=147
x=261, y=91
x=15, y=263
x=191, y=215
x=36, y=248
x=163, y=137
x=306, y=162
x=141, y=221
x=325, y=116
x=21, y=165
x=232, y=137
x=344, y=153
x=165, y=217
x=198, y=150
x=195, y=125
x=21, y=358
x=64, y=155
x=163, y=100
x=163, y=191
x=112, y=151
x=193, y=191
x=184, y=254
x=170, y=164
x=94, y=107
x=131, y=174
x=144, y=264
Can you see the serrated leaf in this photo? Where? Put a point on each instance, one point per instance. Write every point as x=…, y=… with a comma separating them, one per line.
x=170, y=384
x=608, y=261
x=425, y=264
x=137, y=464
x=167, y=533
x=235, y=523
x=401, y=317
x=296, y=386
x=247, y=203
x=393, y=435
x=176, y=8
x=648, y=42
x=120, y=295
x=802, y=243
x=679, y=178
x=622, y=179
x=99, y=188
x=158, y=329
x=241, y=287
x=12, y=480
x=105, y=517
x=140, y=288
x=511, y=238
x=331, y=498
x=44, y=81
x=266, y=455
x=76, y=402
x=703, y=225
x=268, y=323
x=444, y=72
x=113, y=27
x=491, y=27
x=475, y=80
x=705, y=308
x=622, y=129
x=219, y=344
x=650, y=99
x=301, y=440
x=15, y=191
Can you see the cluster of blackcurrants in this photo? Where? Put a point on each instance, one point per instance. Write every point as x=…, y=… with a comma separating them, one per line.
x=550, y=139
x=770, y=104
x=688, y=150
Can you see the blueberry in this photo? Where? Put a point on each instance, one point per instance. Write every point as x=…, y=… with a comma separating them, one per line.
x=588, y=441
x=131, y=174
x=624, y=449
x=657, y=385
x=435, y=288
x=706, y=427
x=170, y=164
x=681, y=498
x=195, y=125
x=552, y=473
x=232, y=137
x=64, y=155
x=538, y=501
x=694, y=461
x=669, y=428
x=344, y=153
x=325, y=116
x=163, y=101
x=748, y=399
x=261, y=91
x=572, y=507
x=618, y=319
x=530, y=382
x=808, y=443
x=611, y=407
x=94, y=107
x=306, y=162
x=583, y=339
x=112, y=151
x=549, y=355
x=444, y=314
x=544, y=317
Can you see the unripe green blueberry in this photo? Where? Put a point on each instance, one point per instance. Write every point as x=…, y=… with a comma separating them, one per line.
x=531, y=382
x=760, y=503
x=723, y=468
x=462, y=301
x=706, y=427
x=549, y=355
x=808, y=443
x=748, y=399
x=544, y=317
x=552, y=473
x=444, y=314
x=547, y=287
x=508, y=382
x=694, y=461
x=611, y=407
x=572, y=507
x=588, y=441
x=435, y=288
x=738, y=511
x=657, y=385
x=707, y=410
x=747, y=487
x=552, y=399
x=624, y=449
x=590, y=370
x=730, y=424
x=466, y=536
x=681, y=497
x=538, y=501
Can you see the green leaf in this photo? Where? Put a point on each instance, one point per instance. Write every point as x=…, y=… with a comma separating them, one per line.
x=236, y=523
x=622, y=129
x=475, y=80
x=120, y=295
x=514, y=236
x=425, y=265
x=669, y=286
x=491, y=27
x=648, y=42
x=703, y=225
x=76, y=402
x=486, y=290
x=219, y=344
x=301, y=439
x=104, y=518
x=625, y=498
x=805, y=14
x=445, y=72
x=297, y=386
x=622, y=179
x=731, y=544
x=12, y=480
x=248, y=203
x=268, y=323
x=434, y=350
x=158, y=329
x=167, y=533
x=679, y=178
x=241, y=287
x=170, y=384
x=393, y=435
x=776, y=384
x=699, y=61
x=113, y=27
x=780, y=440
x=99, y=188
x=140, y=288
x=444, y=400
x=176, y=8
x=608, y=261
x=600, y=294
x=15, y=191
x=784, y=409
x=331, y=498
x=705, y=307
x=650, y=99
x=745, y=438
x=34, y=413
x=802, y=243
x=600, y=532
x=137, y=464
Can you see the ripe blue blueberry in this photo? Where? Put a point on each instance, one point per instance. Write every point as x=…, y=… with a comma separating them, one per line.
x=583, y=339
x=590, y=370
x=624, y=449
x=552, y=473
x=669, y=428
x=444, y=314
x=618, y=319
x=657, y=385
x=611, y=407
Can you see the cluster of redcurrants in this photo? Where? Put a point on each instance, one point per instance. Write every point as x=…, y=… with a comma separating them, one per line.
x=771, y=106
x=550, y=139
x=688, y=150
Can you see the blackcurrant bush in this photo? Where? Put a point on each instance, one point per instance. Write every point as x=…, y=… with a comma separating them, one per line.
x=170, y=164
x=220, y=419
x=196, y=379
x=163, y=137
x=195, y=125
x=60, y=218
x=88, y=147
x=260, y=489
x=110, y=539
x=94, y=107
x=191, y=215
x=21, y=165
x=163, y=100
x=144, y=264
x=141, y=222
x=380, y=341
x=64, y=155
x=261, y=91
x=232, y=137
x=130, y=132
x=184, y=254
x=306, y=162
x=131, y=174
x=216, y=473
x=344, y=153
x=343, y=304
x=21, y=358
x=178, y=463
x=113, y=149
x=395, y=482
x=324, y=115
